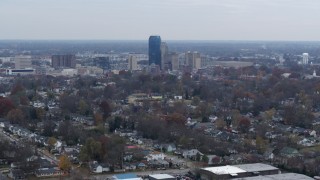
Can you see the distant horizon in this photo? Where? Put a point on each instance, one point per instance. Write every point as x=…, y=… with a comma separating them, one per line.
x=163, y=40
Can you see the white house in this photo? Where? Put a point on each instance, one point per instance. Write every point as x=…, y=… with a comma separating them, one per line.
x=155, y=156
x=178, y=97
x=58, y=144
x=191, y=154
x=95, y=167
x=169, y=147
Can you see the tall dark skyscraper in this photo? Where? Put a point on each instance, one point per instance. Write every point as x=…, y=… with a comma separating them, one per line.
x=155, y=50
x=63, y=61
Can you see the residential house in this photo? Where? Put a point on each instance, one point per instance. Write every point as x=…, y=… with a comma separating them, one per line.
x=2, y=123
x=214, y=160
x=96, y=167
x=176, y=163
x=141, y=165
x=129, y=166
x=312, y=133
x=178, y=97
x=128, y=156
x=192, y=154
x=213, y=118
x=158, y=163
x=48, y=172
x=44, y=163
x=147, y=142
x=178, y=152
x=72, y=153
x=232, y=151
x=233, y=159
x=5, y=161
x=269, y=155
x=203, y=126
x=308, y=142
x=155, y=156
x=299, y=131
x=168, y=147
x=135, y=140
x=126, y=133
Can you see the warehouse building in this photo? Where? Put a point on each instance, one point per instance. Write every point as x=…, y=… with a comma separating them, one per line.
x=237, y=171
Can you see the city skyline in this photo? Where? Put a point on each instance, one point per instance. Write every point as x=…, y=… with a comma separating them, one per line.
x=288, y=20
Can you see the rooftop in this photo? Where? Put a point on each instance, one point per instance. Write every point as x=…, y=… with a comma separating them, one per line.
x=256, y=167
x=161, y=176
x=224, y=170
x=128, y=176
x=286, y=176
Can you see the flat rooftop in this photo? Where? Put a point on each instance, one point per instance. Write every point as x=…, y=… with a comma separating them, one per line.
x=285, y=176
x=161, y=176
x=128, y=176
x=256, y=167
x=224, y=170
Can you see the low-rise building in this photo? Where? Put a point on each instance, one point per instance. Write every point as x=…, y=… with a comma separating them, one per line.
x=20, y=71
x=237, y=171
x=285, y=176
x=155, y=156
x=127, y=176
x=48, y=172
x=192, y=154
x=161, y=177
x=95, y=167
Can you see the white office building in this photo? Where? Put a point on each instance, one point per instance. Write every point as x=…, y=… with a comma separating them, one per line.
x=23, y=62
x=305, y=58
x=132, y=63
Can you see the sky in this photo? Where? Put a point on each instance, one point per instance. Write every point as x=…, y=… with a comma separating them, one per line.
x=289, y=20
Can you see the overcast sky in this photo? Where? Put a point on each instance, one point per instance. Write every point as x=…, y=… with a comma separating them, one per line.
x=172, y=19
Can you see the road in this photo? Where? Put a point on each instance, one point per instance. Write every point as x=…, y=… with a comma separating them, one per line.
x=6, y=136
x=48, y=156
x=143, y=173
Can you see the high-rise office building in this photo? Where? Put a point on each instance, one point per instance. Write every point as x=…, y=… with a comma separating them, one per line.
x=305, y=58
x=174, y=61
x=102, y=62
x=155, y=50
x=22, y=62
x=132, y=63
x=164, y=55
x=193, y=60
x=63, y=61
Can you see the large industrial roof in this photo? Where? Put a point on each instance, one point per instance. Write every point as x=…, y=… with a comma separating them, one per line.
x=256, y=167
x=285, y=176
x=224, y=170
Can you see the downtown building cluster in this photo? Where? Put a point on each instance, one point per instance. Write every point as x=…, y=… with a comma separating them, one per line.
x=159, y=59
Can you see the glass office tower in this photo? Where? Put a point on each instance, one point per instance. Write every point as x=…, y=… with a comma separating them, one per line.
x=155, y=50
